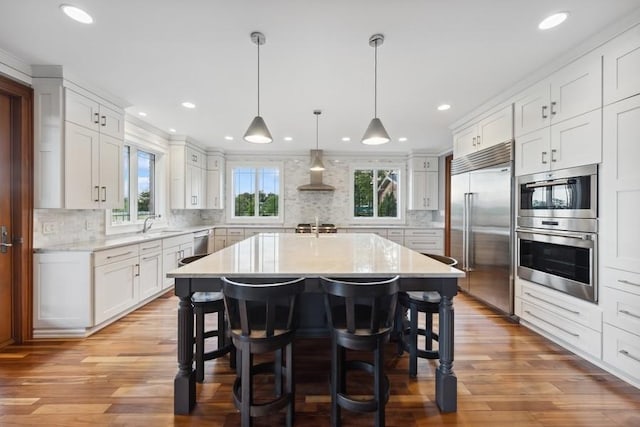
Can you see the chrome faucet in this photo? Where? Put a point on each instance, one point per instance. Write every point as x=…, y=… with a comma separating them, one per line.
x=147, y=225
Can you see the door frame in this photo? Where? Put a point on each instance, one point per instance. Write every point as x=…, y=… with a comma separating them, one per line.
x=447, y=204
x=21, y=205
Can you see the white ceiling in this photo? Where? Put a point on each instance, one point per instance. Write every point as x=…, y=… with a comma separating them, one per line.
x=155, y=54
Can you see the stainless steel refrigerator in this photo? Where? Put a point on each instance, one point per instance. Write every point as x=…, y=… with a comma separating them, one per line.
x=482, y=203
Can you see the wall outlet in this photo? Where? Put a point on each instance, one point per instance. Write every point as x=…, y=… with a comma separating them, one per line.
x=49, y=228
x=90, y=225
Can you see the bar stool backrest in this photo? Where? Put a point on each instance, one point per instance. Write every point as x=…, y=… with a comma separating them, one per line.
x=358, y=306
x=267, y=305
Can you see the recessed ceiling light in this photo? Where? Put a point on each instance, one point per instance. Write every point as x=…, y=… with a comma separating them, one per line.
x=228, y=138
x=402, y=139
x=76, y=14
x=553, y=20
x=172, y=130
x=444, y=107
x=188, y=104
x=288, y=138
x=142, y=114
x=346, y=139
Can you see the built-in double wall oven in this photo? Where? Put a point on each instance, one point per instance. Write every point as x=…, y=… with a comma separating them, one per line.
x=557, y=229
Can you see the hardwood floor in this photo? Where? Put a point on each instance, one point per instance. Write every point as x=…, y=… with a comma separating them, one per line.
x=123, y=376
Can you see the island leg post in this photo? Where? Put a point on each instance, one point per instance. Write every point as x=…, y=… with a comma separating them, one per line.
x=184, y=385
x=446, y=381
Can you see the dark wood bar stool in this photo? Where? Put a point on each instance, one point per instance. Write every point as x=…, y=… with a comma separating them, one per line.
x=416, y=303
x=360, y=315
x=263, y=318
x=208, y=303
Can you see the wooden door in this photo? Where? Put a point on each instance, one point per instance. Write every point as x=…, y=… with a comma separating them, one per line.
x=6, y=253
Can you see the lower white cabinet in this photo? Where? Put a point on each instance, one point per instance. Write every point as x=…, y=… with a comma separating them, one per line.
x=174, y=249
x=425, y=240
x=116, y=288
x=150, y=269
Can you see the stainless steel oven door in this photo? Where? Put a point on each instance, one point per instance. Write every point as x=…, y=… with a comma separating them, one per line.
x=564, y=261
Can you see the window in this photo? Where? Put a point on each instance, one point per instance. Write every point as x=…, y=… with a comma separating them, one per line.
x=376, y=193
x=255, y=191
x=139, y=180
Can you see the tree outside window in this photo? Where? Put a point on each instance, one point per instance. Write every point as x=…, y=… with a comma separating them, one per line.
x=256, y=191
x=139, y=181
x=375, y=198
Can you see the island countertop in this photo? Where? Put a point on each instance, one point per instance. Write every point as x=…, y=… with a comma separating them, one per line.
x=297, y=255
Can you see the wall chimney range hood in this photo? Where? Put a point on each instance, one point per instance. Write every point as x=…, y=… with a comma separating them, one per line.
x=316, y=178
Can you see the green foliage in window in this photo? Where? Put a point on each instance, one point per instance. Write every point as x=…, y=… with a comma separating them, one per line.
x=389, y=206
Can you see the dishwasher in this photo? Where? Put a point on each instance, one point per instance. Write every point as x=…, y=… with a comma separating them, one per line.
x=201, y=242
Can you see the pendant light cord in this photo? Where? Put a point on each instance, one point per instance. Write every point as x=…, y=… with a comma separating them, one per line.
x=375, y=82
x=317, y=133
x=258, y=76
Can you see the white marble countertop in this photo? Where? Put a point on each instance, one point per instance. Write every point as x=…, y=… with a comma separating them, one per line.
x=120, y=240
x=297, y=255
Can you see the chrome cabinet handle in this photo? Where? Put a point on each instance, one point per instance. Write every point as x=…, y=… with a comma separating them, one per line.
x=104, y=194
x=628, y=282
x=628, y=313
x=544, y=112
x=137, y=268
x=104, y=121
x=544, y=162
x=551, y=324
x=553, y=158
x=553, y=304
x=96, y=118
x=97, y=188
x=478, y=140
x=629, y=355
x=474, y=141
x=553, y=112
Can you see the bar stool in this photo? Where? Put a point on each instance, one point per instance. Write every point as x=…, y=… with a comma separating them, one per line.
x=360, y=315
x=208, y=303
x=263, y=318
x=416, y=303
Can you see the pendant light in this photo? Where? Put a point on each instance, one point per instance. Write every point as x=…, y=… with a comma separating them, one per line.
x=258, y=133
x=316, y=163
x=375, y=133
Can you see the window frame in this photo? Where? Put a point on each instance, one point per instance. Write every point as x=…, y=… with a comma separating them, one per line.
x=230, y=200
x=135, y=224
x=399, y=219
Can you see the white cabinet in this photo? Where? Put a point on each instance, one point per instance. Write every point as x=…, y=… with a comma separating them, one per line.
x=620, y=186
x=622, y=66
x=573, y=142
x=150, y=268
x=188, y=176
x=215, y=182
x=489, y=131
x=425, y=240
x=423, y=183
x=116, y=278
x=173, y=250
x=574, y=90
x=78, y=148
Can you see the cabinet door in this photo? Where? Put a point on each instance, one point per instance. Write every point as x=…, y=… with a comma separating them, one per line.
x=620, y=186
x=464, y=142
x=186, y=249
x=495, y=129
x=81, y=110
x=116, y=288
x=81, y=177
x=219, y=242
x=532, y=109
x=111, y=122
x=151, y=279
x=193, y=186
x=423, y=164
x=622, y=66
x=170, y=257
x=111, y=181
x=532, y=152
x=418, y=190
x=577, y=88
x=577, y=141
x=213, y=189
x=431, y=191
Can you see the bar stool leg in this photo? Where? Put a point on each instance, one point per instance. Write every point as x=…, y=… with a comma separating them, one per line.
x=379, y=385
x=290, y=384
x=247, y=388
x=277, y=372
x=413, y=342
x=336, y=382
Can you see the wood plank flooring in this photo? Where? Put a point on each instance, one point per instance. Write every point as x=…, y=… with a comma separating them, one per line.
x=123, y=376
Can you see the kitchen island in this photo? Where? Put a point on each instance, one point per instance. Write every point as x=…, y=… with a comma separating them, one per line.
x=342, y=255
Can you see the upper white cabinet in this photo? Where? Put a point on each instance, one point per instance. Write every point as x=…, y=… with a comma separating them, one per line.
x=188, y=176
x=489, y=131
x=423, y=183
x=215, y=182
x=78, y=148
x=571, y=91
x=622, y=66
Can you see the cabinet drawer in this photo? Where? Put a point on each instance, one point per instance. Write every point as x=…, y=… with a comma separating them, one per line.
x=621, y=349
x=621, y=309
x=235, y=232
x=579, y=336
x=419, y=232
x=116, y=254
x=622, y=280
x=568, y=307
x=219, y=232
x=425, y=245
x=177, y=240
x=150, y=247
x=395, y=233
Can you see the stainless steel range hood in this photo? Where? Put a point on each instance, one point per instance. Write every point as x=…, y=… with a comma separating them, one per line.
x=316, y=178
